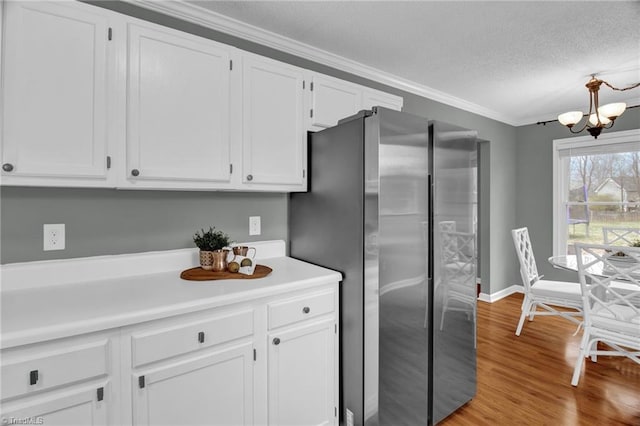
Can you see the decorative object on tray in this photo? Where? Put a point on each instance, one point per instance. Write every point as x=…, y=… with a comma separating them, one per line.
x=214, y=249
x=241, y=261
x=199, y=274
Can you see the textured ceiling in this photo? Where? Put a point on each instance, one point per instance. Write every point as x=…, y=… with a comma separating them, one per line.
x=526, y=61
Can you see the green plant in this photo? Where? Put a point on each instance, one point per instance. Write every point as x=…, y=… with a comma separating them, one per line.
x=635, y=243
x=211, y=240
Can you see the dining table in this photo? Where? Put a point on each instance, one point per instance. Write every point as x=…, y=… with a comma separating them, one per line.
x=622, y=283
x=569, y=262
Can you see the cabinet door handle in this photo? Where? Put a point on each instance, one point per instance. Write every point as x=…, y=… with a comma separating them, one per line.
x=306, y=309
x=201, y=337
x=100, y=394
x=33, y=377
x=249, y=177
x=141, y=383
x=7, y=167
x=135, y=172
x=276, y=341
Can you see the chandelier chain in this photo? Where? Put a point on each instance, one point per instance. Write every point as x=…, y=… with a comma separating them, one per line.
x=623, y=89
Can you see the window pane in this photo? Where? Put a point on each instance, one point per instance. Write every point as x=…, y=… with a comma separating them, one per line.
x=602, y=192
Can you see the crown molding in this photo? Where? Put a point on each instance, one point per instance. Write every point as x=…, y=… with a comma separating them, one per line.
x=199, y=15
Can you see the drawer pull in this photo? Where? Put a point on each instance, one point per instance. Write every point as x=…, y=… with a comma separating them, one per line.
x=306, y=310
x=276, y=341
x=141, y=382
x=7, y=167
x=100, y=394
x=33, y=377
x=135, y=172
x=201, y=337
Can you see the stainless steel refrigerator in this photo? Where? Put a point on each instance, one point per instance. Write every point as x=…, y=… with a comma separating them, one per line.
x=392, y=205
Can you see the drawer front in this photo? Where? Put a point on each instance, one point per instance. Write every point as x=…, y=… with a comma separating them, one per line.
x=183, y=337
x=301, y=308
x=54, y=368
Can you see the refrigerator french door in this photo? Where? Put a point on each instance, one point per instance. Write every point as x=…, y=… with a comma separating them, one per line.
x=391, y=205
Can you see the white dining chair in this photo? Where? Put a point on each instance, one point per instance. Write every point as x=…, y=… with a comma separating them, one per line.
x=458, y=274
x=620, y=236
x=611, y=316
x=546, y=294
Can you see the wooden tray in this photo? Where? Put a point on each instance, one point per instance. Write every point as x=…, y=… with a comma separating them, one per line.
x=199, y=274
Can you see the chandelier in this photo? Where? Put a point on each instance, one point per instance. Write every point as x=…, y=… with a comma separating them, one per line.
x=599, y=117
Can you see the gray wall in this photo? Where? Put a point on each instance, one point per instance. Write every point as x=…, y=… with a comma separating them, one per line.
x=110, y=221
x=534, y=182
x=498, y=215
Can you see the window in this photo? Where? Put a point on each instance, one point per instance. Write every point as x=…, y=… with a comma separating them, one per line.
x=596, y=184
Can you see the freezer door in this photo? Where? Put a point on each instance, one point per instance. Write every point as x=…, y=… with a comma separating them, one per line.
x=396, y=279
x=326, y=228
x=454, y=155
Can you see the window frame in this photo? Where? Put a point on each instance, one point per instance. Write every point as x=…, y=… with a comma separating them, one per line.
x=560, y=177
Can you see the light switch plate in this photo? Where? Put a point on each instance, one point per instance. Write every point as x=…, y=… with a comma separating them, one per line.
x=254, y=225
x=53, y=236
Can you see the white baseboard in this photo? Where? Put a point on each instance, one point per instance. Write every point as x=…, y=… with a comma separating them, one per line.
x=494, y=297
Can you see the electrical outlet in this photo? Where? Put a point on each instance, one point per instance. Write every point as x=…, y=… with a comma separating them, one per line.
x=254, y=225
x=53, y=237
x=349, y=417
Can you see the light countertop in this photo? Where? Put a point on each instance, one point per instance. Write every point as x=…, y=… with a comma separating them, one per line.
x=31, y=315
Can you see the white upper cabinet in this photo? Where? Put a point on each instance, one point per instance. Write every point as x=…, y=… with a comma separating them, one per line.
x=333, y=100
x=55, y=92
x=94, y=98
x=274, y=137
x=177, y=110
x=372, y=97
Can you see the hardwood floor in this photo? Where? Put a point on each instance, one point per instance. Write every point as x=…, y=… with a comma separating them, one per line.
x=526, y=380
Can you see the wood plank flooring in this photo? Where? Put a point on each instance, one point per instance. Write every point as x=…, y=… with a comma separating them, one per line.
x=526, y=380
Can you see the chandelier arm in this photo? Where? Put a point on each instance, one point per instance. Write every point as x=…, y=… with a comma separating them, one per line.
x=577, y=131
x=633, y=86
x=592, y=94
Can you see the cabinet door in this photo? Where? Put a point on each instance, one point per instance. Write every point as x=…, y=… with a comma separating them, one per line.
x=87, y=406
x=212, y=389
x=301, y=375
x=178, y=109
x=373, y=98
x=55, y=62
x=274, y=138
x=333, y=100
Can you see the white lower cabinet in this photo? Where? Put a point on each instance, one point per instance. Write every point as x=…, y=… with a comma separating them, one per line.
x=302, y=381
x=68, y=407
x=213, y=388
x=63, y=382
x=269, y=360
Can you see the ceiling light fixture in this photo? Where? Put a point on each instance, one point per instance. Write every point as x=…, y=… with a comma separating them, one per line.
x=599, y=117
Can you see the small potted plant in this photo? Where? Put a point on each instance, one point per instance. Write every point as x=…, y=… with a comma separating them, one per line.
x=214, y=248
